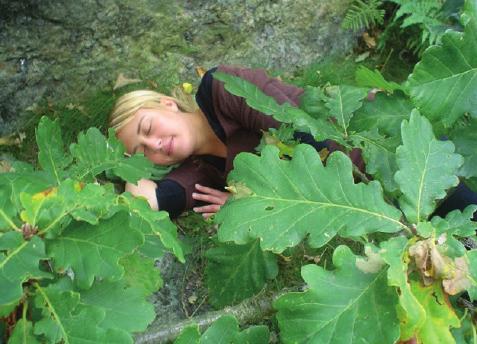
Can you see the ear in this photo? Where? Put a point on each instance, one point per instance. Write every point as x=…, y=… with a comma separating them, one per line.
x=170, y=104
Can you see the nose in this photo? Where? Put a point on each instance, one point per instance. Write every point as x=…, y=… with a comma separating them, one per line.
x=152, y=143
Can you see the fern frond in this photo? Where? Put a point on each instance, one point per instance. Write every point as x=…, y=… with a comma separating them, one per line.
x=363, y=14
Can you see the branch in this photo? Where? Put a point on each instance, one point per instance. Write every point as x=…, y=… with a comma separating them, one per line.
x=252, y=310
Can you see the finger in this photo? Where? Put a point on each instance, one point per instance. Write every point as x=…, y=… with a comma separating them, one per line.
x=207, y=215
x=208, y=190
x=210, y=208
x=207, y=198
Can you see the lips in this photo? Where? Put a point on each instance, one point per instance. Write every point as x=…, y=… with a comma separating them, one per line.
x=170, y=146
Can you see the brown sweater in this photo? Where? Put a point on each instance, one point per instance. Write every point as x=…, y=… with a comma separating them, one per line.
x=242, y=126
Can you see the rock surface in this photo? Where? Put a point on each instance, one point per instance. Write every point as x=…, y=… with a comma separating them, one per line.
x=63, y=50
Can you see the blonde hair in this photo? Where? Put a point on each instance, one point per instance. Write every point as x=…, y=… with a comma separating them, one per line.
x=128, y=104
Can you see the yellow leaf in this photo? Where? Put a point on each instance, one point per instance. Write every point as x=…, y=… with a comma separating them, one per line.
x=187, y=87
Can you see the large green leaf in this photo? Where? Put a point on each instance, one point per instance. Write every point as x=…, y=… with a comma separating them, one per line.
x=51, y=210
x=153, y=223
x=17, y=182
x=235, y=272
x=190, y=335
x=427, y=168
x=444, y=83
x=465, y=140
x=289, y=199
x=343, y=101
x=286, y=113
x=124, y=307
x=65, y=320
x=385, y=113
x=94, y=250
x=225, y=330
x=379, y=154
x=141, y=273
x=51, y=155
x=312, y=102
x=413, y=315
x=94, y=155
x=19, y=261
x=440, y=316
x=346, y=305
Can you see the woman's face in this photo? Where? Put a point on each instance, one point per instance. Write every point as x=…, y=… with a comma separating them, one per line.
x=163, y=135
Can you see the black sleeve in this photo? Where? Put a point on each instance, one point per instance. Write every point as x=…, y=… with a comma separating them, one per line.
x=308, y=138
x=170, y=197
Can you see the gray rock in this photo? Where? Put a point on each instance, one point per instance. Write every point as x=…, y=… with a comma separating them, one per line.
x=63, y=50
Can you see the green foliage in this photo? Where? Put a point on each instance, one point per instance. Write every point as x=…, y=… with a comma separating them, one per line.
x=368, y=78
x=339, y=319
x=363, y=14
x=278, y=190
x=236, y=272
x=225, y=331
x=427, y=168
x=400, y=289
x=65, y=244
x=444, y=83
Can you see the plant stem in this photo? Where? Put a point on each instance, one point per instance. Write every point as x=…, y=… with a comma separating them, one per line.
x=252, y=310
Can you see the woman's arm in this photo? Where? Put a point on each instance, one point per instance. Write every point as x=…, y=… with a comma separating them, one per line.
x=145, y=188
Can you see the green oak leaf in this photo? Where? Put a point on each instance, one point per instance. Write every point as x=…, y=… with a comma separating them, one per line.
x=343, y=101
x=14, y=183
x=440, y=317
x=65, y=320
x=385, y=113
x=290, y=199
x=153, y=224
x=124, y=307
x=95, y=154
x=236, y=272
x=444, y=83
x=94, y=250
x=19, y=261
x=51, y=153
x=190, y=335
x=456, y=222
x=312, y=102
x=141, y=273
x=345, y=305
x=23, y=333
x=51, y=210
x=465, y=140
x=373, y=78
x=412, y=314
x=225, y=330
x=427, y=168
x=379, y=154
x=320, y=128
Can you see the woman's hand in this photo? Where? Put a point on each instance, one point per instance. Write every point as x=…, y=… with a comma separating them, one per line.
x=215, y=197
